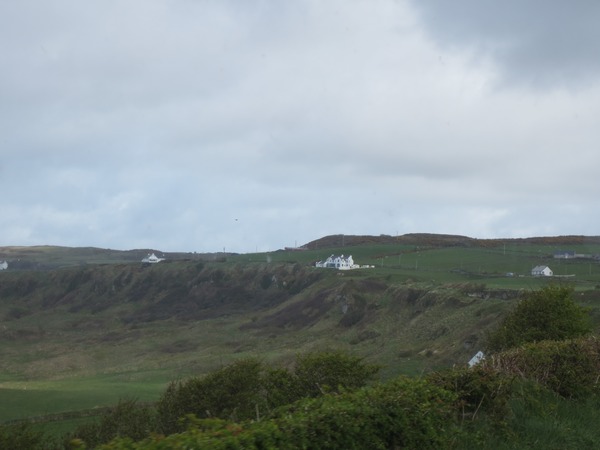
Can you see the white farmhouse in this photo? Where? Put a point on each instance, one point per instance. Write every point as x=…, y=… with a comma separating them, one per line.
x=152, y=259
x=338, y=262
x=3, y=265
x=541, y=271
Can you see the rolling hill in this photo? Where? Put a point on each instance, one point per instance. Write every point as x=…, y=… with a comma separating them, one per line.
x=94, y=324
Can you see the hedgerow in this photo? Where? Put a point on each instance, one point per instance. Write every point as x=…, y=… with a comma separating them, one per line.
x=479, y=389
x=127, y=419
x=404, y=413
x=248, y=389
x=570, y=368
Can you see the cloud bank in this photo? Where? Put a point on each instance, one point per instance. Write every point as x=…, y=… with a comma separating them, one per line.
x=198, y=126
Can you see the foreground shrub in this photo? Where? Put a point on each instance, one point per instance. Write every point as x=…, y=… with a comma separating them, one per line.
x=404, y=413
x=478, y=389
x=547, y=314
x=233, y=393
x=248, y=389
x=330, y=372
x=22, y=437
x=127, y=419
x=570, y=368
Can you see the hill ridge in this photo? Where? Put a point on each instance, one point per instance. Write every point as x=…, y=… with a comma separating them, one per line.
x=440, y=240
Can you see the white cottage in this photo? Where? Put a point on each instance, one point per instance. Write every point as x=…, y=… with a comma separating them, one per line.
x=3, y=265
x=338, y=262
x=541, y=271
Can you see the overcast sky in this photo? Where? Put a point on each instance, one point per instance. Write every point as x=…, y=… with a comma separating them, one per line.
x=197, y=125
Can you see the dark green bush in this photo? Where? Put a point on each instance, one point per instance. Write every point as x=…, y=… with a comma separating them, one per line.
x=404, y=413
x=279, y=387
x=234, y=393
x=127, y=419
x=547, y=314
x=569, y=368
x=329, y=372
x=23, y=437
x=248, y=389
x=479, y=389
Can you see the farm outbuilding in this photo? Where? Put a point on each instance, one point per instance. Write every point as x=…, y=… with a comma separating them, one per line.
x=541, y=271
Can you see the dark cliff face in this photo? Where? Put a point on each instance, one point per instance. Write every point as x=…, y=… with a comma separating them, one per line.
x=185, y=291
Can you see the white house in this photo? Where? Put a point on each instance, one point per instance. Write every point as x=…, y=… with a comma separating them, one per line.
x=3, y=265
x=541, y=271
x=338, y=262
x=152, y=259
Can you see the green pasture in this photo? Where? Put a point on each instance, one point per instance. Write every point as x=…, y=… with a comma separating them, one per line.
x=31, y=399
x=504, y=266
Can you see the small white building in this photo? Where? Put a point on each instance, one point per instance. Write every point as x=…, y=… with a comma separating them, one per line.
x=3, y=265
x=541, y=271
x=152, y=259
x=338, y=262
x=476, y=359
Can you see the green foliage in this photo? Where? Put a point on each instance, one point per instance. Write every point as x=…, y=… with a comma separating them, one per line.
x=248, y=389
x=279, y=387
x=569, y=368
x=538, y=420
x=542, y=420
x=233, y=392
x=321, y=372
x=403, y=413
x=547, y=314
x=479, y=389
x=127, y=419
x=23, y=437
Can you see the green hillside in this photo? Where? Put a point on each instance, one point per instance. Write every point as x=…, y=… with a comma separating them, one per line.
x=80, y=328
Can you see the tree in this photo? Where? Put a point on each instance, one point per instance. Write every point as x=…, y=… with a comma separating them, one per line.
x=547, y=314
x=250, y=390
x=22, y=437
x=233, y=392
x=127, y=419
x=321, y=372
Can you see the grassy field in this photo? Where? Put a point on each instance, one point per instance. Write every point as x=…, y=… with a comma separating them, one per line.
x=502, y=266
x=34, y=398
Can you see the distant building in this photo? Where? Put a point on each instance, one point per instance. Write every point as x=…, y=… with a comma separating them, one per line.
x=569, y=254
x=338, y=262
x=152, y=259
x=564, y=254
x=3, y=265
x=476, y=359
x=541, y=271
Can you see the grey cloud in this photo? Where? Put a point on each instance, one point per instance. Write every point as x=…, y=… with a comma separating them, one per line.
x=158, y=123
x=543, y=44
